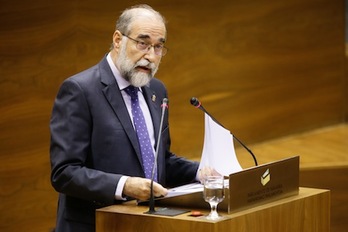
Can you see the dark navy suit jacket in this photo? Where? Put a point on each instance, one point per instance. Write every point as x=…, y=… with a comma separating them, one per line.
x=93, y=143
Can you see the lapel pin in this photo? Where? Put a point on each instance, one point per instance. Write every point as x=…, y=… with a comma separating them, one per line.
x=153, y=98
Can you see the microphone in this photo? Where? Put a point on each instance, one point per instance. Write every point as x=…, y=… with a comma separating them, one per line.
x=152, y=210
x=196, y=103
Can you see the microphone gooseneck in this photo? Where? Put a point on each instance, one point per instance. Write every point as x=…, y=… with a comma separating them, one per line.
x=152, y=210
x=196, y=103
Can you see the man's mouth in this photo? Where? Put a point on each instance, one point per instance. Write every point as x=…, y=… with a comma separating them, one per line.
x=143, y=69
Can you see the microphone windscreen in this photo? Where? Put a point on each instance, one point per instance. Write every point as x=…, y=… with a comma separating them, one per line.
x=194, y=101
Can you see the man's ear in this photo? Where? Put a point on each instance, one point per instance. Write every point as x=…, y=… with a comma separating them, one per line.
x=116, y=39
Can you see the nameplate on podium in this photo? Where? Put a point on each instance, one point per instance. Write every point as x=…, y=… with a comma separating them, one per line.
x=244, y=189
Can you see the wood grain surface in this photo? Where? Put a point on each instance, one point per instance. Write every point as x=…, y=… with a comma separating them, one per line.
x=308, y=211
x=323, y=163
x=264, y=69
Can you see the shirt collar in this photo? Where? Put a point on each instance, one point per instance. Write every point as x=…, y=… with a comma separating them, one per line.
x=122, y=83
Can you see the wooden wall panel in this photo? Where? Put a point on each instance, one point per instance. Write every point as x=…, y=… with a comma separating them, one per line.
x=346, y=74
x=263, y=68
x=37, y=38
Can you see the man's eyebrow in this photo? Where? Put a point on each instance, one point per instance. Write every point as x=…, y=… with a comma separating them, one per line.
x=144, y=36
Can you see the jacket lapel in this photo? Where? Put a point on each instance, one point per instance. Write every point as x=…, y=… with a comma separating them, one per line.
x=113, y=95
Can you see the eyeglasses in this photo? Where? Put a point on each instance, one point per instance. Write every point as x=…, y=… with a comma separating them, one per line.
x=160, y=49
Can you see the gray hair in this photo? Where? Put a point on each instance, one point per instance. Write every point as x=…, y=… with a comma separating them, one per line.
x=125, y=20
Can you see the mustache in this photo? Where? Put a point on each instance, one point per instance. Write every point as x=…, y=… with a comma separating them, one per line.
x=146, y=64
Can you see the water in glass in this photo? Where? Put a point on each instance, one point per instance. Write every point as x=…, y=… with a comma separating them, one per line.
x=213, y=194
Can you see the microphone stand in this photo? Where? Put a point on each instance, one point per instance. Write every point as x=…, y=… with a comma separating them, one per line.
x=196, y=103
x=152, y=210
x=152, y=197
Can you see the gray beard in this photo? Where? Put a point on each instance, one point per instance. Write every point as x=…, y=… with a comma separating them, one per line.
x=128, y=71
x=139, y=79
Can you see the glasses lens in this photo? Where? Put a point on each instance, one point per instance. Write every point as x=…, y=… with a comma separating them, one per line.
x=162, y=51
x=142, y=46
x=159, y=50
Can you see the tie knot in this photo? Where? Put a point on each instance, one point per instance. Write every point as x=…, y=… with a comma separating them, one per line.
x=132, y=92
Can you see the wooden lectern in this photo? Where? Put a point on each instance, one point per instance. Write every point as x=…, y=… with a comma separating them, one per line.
x=307, y=211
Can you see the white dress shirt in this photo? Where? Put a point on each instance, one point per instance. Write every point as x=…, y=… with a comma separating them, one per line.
x=122, y=83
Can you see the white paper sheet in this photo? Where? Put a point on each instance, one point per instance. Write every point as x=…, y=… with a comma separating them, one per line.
x=218, y=149
x=185, y=189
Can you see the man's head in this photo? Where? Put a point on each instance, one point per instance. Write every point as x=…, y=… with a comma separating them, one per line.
x=138, y=44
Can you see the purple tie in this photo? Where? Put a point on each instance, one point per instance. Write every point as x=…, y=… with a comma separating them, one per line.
x=142, y=133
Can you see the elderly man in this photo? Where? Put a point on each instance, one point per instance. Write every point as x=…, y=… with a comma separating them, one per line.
x=104, y=127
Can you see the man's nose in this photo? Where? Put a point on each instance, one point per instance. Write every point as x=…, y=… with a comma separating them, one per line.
x=150, y=54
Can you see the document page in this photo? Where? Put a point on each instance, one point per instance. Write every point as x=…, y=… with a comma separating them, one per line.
x=185, y=189
x=218, y=149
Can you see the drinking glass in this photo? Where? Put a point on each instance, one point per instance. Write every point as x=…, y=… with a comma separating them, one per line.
x=213, y=194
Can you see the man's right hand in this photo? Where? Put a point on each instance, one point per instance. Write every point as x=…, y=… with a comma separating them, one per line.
x=139, y=188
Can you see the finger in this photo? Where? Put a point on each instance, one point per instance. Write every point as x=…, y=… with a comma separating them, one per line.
x=207, y=171
x=216, y=173
x=159, y=190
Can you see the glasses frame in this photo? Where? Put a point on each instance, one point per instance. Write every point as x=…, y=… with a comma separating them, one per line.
x=163, y=51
